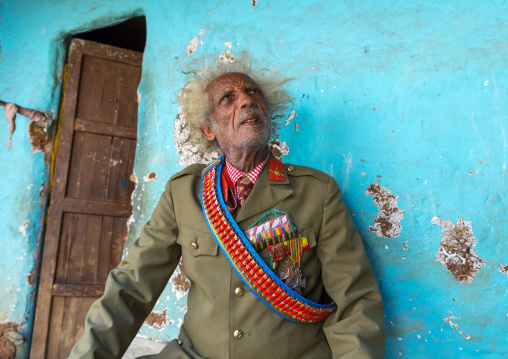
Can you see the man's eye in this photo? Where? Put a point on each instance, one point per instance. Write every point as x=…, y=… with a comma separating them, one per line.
x=225, y=97
x=252, y=91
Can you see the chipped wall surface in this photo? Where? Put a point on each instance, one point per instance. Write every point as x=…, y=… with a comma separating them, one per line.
x=410, y=96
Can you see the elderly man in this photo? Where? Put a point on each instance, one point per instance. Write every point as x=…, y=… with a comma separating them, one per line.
x=276, y=265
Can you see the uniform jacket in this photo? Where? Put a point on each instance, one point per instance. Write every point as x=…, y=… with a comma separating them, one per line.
x=336, y=261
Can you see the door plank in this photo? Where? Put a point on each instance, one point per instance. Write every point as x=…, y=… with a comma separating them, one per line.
x=101, y=128
x=97, y=207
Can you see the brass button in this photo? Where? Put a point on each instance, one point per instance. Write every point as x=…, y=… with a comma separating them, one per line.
x=238, y=334
x=291, y=168
x=239, y=291
x=179, y=342
x=194, y=245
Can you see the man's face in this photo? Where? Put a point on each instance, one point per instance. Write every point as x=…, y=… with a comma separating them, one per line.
x=239, y=115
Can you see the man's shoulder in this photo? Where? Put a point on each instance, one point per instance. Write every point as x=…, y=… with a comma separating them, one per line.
x=192, y=170
x=300, y=171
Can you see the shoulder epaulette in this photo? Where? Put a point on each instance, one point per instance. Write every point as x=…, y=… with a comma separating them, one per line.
x=194, y=170
x=294, y=170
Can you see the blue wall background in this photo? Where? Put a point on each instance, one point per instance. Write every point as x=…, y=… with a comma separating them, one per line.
x=414, y=92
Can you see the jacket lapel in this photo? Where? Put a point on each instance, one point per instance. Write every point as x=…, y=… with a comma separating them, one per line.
x=265, y=195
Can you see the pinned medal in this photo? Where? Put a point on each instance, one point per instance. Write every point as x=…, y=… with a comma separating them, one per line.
x=280, y=237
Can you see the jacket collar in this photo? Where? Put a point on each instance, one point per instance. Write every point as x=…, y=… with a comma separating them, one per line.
x=265, y=194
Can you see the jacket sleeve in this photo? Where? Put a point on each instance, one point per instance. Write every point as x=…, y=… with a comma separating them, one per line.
x=356, y=329
x=133, y=288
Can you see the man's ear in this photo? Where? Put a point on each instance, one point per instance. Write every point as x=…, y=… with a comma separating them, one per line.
x=207, y=131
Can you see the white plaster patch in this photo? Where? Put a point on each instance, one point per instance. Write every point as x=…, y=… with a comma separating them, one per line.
x=227, y=57
x=456, y=251
x=152, y=176
x=455, y=325
x=292, y=115
x=193, y=45
x=188, y=153
x=24, y=227
x=485, y=83
x=253, y=3
x=503, y=269
x=228, y=44
x=278, y=148
x=202, y=31
x=387, y=222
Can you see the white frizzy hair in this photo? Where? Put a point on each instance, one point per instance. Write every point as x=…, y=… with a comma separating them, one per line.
x=195, y=107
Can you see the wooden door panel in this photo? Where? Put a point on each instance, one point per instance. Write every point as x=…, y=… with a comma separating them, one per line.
x=90, y=246
x=103, y=92
x=91, y=199
x=67, y=324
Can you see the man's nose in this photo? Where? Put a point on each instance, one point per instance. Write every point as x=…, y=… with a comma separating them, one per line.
x=246, y=101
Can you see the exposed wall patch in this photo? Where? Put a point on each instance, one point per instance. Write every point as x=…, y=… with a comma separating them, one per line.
x=9, y=339
x=23, y=228
x=456, y=251
x=181, y=284
x=188, y=153
x=193, y=45
x=292, y=115
x=503, y=269
x=157, y=320
x=278, y=148
x=387, y=222
x=253, y=3
x=455, y=325
x=152, y=176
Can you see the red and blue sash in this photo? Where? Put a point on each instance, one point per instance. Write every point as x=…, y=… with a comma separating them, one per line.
x=242, y=256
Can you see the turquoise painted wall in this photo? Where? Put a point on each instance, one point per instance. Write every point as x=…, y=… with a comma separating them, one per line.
x=409, y=95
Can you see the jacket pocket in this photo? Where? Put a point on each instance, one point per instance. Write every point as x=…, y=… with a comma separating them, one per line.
x=198, y=243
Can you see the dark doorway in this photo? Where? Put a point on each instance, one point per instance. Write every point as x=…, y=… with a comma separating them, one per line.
x=130, y=34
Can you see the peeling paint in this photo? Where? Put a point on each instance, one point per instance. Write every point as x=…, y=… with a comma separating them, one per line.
x=227, y=57
x=456, y=251
x=503, y=269
x=387, y=222
x=455, y=325
x=278, y=148
x=292, y=115
x=152, y=176
x=188, y=154
x=157, y=320
x=10, y=116
x=24, y=227
x=181, y=284
x=253, y=3
x=193, y=45
x=228, y=44
x=9, y=339
x=40, y=135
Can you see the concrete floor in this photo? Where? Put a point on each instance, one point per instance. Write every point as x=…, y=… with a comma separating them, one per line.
x=142, y=346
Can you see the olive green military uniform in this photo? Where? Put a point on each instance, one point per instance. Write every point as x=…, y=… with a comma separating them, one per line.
x=216, y=305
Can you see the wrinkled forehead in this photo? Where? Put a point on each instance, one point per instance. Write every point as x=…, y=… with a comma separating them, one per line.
x=230, y=80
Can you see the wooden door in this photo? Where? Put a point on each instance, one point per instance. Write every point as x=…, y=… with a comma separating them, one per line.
x=91, y=197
